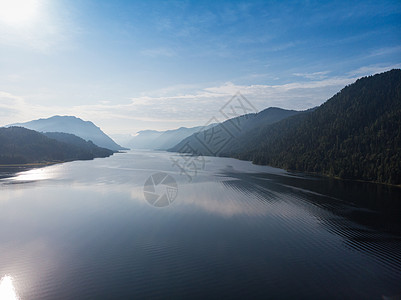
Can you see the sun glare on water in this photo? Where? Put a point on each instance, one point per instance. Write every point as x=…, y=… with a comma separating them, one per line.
x=33, y=175
x=18, y=12
x=7, y=290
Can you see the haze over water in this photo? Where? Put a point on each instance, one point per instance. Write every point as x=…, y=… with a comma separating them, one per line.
x=85, y=230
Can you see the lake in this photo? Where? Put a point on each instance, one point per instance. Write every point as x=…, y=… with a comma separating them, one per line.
x=135, y=226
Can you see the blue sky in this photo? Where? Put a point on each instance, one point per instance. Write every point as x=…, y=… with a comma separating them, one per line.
x=133, y=65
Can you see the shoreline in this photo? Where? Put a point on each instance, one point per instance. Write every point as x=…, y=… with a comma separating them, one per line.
x=30, y=164
x=302, y=172
x=337, y=178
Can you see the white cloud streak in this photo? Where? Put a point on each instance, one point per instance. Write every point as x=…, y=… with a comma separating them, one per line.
x=158, y=52
x=170, y=109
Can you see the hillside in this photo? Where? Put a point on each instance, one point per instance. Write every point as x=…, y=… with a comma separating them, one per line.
x=69, y=124
x=222, y=138
x=19, y=145
x=78, y=142
x=355, y=135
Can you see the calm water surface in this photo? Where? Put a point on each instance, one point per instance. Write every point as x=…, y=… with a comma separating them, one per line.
x=84, y=230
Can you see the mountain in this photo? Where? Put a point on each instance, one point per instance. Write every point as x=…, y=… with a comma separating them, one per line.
x=356, y=134
x=144, y=139
x=122, y=139
x=161, y=140
x=73, y=140
x=73, y=125
x=19, y=145
x=222, y=137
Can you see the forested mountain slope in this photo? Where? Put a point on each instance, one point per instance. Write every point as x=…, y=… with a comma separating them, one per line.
x=19, y=145
x=356, y=134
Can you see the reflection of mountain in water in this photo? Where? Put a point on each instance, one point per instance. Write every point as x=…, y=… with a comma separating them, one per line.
x=367, y=216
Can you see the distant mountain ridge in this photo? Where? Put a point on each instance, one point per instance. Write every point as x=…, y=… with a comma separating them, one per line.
x=19, y=145
x=144, y=139
x=73, y=125
x=220, y=138
x=162, y=140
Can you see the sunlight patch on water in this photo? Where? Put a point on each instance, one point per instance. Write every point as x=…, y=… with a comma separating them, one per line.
x=7, y=290
x=33, y=175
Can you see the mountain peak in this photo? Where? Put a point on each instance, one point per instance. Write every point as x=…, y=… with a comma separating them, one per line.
x=73, y=125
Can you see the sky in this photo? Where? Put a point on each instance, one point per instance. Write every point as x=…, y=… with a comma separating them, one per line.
x=135, y=65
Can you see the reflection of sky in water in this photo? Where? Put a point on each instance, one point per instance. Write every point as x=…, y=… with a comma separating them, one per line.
x=87, y=229
x=7, y=290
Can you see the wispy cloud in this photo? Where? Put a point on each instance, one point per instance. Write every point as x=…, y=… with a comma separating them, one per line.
x=385, y=51
x=159, y=52
x=188, y=105
x=313, y=76
x=192, y=108
x=373, y=69
x=11, y=107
